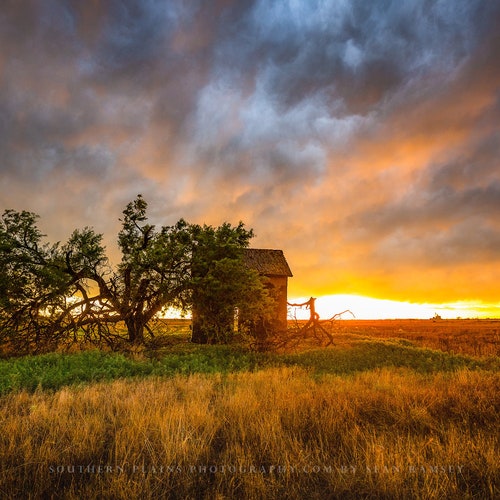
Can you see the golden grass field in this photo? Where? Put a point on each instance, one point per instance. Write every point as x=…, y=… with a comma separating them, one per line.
x=476, y=337
x=273, y=433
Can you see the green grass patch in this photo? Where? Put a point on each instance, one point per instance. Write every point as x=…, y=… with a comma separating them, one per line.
x=55, y=370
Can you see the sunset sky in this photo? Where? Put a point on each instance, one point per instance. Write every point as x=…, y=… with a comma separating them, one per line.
x=361, y=137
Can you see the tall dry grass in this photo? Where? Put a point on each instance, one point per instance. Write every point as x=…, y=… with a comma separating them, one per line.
x=276, y=433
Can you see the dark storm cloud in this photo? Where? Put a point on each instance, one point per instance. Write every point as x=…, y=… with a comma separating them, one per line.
x=354, y=51
x=54, y=118
x=30, y=126
x=288, y=67
x=313, y=75
x=132, y=45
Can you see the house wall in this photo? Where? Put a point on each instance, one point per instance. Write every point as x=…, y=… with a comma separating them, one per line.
x=280, y=286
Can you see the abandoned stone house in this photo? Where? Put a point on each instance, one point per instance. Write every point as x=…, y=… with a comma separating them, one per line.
x=269, y=263
x=273, y=265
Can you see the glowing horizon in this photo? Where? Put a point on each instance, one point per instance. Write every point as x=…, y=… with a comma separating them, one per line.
x=363, y=307
x=369, y=308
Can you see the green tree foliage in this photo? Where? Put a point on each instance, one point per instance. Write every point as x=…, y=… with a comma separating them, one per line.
x=53, y=294
x=33, y=281
x=222, y=285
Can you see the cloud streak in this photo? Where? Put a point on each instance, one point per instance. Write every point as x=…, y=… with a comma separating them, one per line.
x=360, y=137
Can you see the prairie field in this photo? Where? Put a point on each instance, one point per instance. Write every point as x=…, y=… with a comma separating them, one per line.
x=386, y=412
x=476, y=337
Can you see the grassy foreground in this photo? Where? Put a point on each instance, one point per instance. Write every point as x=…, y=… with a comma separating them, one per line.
x=373, y=419
x=55, y=370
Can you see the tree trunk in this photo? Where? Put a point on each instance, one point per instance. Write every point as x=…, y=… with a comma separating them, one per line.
x=135, y=329
x=198, y=334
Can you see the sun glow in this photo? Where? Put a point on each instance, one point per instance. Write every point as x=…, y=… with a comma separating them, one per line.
x=370, y=308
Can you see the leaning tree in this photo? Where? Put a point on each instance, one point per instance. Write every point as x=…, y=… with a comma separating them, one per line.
x=56, y=293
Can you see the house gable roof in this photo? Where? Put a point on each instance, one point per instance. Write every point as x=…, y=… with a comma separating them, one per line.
x=267, y=262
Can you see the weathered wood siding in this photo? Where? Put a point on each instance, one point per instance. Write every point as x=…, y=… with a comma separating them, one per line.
x=280, y=286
